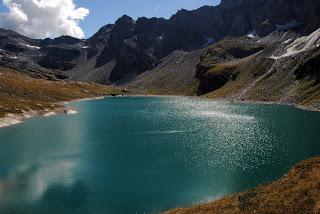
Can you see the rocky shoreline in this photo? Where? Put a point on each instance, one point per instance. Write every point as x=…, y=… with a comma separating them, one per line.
x=14, y=119
x=23, y=97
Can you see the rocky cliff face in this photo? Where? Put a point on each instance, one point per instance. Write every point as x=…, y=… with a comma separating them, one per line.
x=266, y=16
x=147, y=41
x=120, y=52
x=219, y=63
x=281, y=67
x=137, y=46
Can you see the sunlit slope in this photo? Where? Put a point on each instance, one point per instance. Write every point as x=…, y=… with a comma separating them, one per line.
x=296, y=192
x=281, y=67
x=19, y=92
x=286, y=70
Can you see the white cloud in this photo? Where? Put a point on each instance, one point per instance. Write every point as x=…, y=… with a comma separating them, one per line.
x=43, y=18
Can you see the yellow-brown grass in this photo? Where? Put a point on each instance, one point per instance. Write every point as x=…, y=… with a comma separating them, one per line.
x=19, y=92
x=296, y=192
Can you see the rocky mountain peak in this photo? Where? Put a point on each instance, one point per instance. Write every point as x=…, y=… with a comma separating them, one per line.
x=125, y=19
x=104, y=30
x=130, y=47
x=123, y=26
x=100, y=39
x=68, y=40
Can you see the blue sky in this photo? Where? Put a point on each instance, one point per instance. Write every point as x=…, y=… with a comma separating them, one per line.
x=107, y=11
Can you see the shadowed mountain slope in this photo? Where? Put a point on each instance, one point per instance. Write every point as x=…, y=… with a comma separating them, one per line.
x=119, y=52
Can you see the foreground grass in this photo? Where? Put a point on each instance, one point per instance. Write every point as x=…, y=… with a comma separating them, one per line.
x=296, y=192
x=19, y=92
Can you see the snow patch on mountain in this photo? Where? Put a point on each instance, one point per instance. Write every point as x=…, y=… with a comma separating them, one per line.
x=287, y=41
x=301, y=44
x=32, y=47
x=252, y=34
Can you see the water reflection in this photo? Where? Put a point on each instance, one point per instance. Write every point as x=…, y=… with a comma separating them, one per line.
x=146, y=155
x=61, y=198
x=19, y=193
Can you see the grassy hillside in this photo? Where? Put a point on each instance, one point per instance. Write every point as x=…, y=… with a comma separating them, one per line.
x=296, y=192
x=249, y=69
x=240, y=68
x=175, y=75
x=265, y=79
x=221, y=62
x=19, y=92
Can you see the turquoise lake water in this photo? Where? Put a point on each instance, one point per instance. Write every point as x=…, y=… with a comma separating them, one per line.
x=148, y=154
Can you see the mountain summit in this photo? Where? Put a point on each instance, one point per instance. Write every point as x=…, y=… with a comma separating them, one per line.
x=120, y=53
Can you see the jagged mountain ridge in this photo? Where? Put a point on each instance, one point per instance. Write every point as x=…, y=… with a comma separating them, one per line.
x=119, y=52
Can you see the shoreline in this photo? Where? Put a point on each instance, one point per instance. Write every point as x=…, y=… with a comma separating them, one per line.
x=11, y=119
x=298, y=106
x=286, y=194
x=82, y=99
x=228, y=100
x=14, y=119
